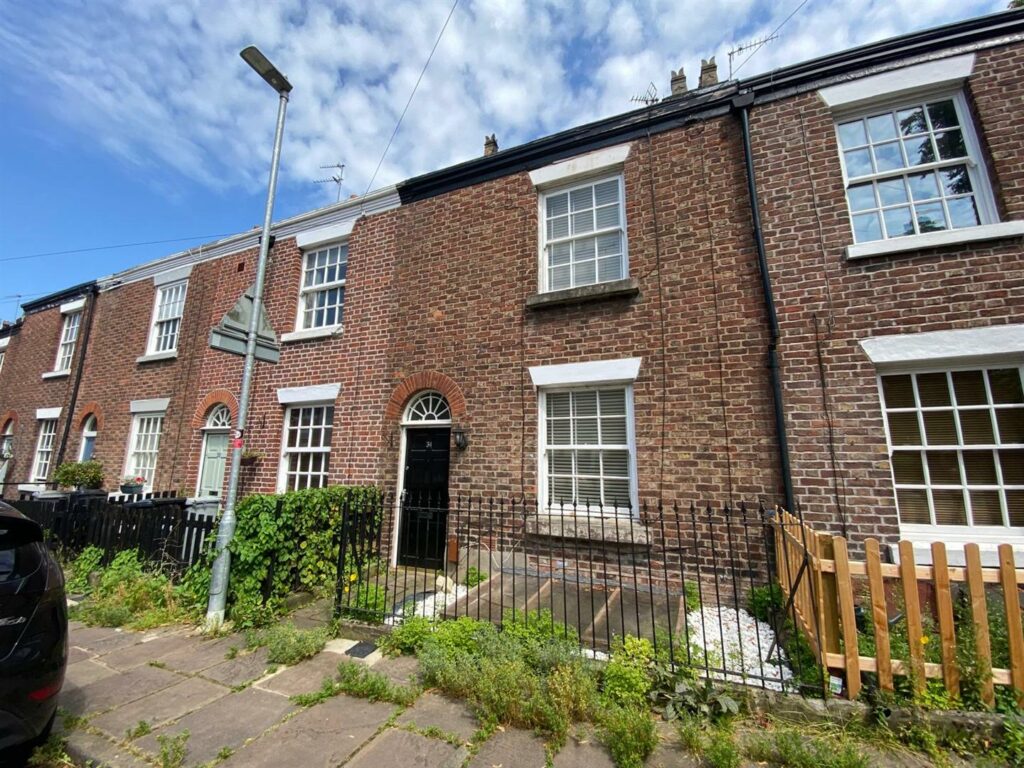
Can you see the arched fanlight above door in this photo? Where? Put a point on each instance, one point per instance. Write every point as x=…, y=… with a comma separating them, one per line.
x=219, y=418
x=428, y=408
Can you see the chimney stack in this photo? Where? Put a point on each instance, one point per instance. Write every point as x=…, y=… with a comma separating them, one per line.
x=678, y=82
x=708, y=72
x=490, y=145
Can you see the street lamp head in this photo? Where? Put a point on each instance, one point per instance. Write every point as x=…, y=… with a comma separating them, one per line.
x=255, y=59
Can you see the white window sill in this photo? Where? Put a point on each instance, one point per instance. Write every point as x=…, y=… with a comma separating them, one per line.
x=170, y=355
x=988, y=539
x=935, y=239
x=35, y=487
x=311, y=333
x=56, y=374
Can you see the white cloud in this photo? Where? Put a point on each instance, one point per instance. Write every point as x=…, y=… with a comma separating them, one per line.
x=161, y=86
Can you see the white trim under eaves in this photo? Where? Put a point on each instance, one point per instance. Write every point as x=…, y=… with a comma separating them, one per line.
x=908, y=349
x=173, y=275
x=72, y=306
x=623, y=370
x=48, y=413
x=600, y=161
x=152, y=405
x=318, y=393
x=930, y=74
x=379, y=200
x=315, y=237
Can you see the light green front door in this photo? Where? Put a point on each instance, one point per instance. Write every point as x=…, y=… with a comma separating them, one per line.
x=215, y=458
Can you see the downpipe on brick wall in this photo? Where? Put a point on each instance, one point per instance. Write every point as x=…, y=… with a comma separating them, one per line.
x=741, y=104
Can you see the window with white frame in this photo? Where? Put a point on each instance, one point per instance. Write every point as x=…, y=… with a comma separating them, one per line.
x=956, y=442
x=2, y=355
x=322, y=294
x=89, y=433
x=587, y=449
x=913, y=168
x=7, y=442
x=167, y=312
x=68, y=338
x=144, y=446
x=44, y=449
x=306, y=453
x=583, y=234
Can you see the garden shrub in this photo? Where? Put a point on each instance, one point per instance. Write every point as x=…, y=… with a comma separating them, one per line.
x=132, y=595
x=629, y=734
x=287, y=644
x=407, y=638
x=627, y=677
x=721, y=751
x=79, y=474
x=766, y=602
x=282, y=542
x=89, y=560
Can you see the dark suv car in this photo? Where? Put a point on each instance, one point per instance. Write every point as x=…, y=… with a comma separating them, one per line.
x=33, y=635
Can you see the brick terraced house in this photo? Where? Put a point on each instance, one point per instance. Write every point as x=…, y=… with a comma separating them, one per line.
x=602, y=316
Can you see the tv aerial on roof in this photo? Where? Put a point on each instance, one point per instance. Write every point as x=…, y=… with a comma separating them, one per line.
x=337, y=178
x=648, y=97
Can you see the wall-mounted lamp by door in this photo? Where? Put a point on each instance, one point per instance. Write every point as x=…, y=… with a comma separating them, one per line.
x=461, y=440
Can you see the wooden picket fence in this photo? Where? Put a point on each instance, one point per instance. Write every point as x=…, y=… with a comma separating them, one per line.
x=817, y=576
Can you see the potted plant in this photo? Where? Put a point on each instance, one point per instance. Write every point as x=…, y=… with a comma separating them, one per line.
x=250, y=457
x=132, y=484
x=80, y=475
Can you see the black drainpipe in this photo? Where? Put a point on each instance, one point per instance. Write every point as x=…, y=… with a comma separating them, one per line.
x=742, y=104
x=93, y=292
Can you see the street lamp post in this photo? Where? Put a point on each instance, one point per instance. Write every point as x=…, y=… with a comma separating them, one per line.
x=226, y=528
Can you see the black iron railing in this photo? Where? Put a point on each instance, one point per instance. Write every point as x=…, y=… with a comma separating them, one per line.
x=676, y=575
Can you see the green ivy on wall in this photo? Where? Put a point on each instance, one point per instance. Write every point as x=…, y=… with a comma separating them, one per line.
x=282, y=542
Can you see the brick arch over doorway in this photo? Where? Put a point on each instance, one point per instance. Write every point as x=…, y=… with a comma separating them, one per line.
x=8, y=417
x=91, y=409
x=419, y=382
x=216, y=397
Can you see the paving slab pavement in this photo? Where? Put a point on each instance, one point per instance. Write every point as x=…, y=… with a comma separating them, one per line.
x=144, y=651
x=103, y=639
x=305, y=677
x=89, y=749
x=230, y=722
x=409, y=750
x=76, y=655
x=403, y=670
x=200, y=653
x=511, y=748
x=242, y=669
x=115, y=690
x=583, y=754
x=161, y=707
x=432, y=710
x=323, y=735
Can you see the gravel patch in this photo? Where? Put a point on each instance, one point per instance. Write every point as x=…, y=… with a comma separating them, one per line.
x=431, y=605
x=738, y=644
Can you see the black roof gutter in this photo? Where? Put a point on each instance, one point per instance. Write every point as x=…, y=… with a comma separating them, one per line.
x=707, y=103
x=53, y=299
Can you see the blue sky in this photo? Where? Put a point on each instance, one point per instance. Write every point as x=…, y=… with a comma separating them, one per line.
x=135, y=120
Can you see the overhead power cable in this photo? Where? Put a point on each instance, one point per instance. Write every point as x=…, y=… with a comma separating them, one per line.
x=411, y=95
x=113, y=247
x=767, y=37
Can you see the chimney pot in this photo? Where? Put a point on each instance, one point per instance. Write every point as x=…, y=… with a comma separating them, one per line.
x=490, y=145
x=708, y=72
x=678, y=82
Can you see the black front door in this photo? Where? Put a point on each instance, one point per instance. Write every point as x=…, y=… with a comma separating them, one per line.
x=421, y=532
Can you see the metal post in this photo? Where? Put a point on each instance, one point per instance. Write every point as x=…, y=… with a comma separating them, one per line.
x=226, y=528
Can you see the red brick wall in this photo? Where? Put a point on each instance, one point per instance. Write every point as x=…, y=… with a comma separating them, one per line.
x=825, y=300
x=31, y=352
